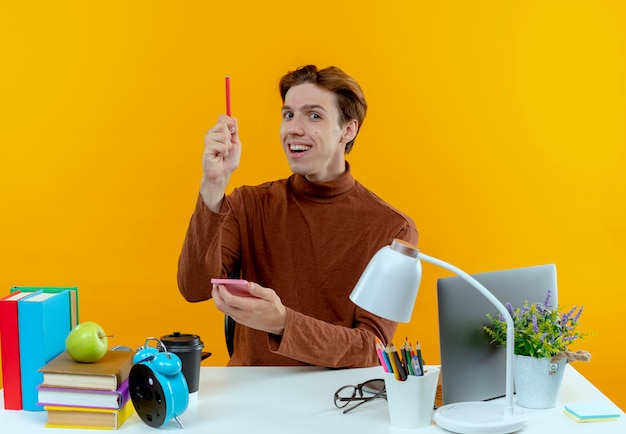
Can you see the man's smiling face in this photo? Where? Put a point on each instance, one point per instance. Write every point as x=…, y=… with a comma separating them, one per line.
x=312, y=137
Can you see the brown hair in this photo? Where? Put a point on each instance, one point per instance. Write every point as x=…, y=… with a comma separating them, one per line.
x=350, y=99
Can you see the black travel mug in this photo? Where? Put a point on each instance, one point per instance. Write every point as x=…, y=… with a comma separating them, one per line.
x=188, y=348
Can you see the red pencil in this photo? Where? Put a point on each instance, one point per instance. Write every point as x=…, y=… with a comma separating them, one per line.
x=227, y=95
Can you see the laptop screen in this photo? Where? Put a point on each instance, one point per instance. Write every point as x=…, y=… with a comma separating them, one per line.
x=472, y=369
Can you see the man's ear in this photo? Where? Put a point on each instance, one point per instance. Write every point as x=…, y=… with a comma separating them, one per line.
x=350, y=130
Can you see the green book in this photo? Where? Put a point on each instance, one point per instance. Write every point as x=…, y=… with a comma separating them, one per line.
x=54, y=289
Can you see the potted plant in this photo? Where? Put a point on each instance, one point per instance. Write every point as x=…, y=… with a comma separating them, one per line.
x=543, y=335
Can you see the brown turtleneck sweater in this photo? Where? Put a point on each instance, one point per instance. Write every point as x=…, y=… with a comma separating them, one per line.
x=309, y=243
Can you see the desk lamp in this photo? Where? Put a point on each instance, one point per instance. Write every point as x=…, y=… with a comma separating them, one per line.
x=388, y=288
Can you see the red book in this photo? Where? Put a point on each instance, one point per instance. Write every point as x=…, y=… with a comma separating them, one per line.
x=10, y=341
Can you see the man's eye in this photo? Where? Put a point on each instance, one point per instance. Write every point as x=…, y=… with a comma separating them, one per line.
x=287, y=115
x=315, y=116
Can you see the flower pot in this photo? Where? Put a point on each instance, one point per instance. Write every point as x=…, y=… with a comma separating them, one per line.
x=537, y=381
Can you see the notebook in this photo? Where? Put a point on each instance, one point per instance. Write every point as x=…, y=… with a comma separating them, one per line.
x=472, y=369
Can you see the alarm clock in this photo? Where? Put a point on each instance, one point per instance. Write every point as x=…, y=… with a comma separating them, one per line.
x=157, y=386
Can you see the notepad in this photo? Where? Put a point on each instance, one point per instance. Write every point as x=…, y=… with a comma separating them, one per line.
x=591, y=412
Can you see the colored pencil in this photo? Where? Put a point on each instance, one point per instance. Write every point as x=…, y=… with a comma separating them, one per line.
x=418, y=349
x=381, y=357
x=227, y=95
x=400, y=368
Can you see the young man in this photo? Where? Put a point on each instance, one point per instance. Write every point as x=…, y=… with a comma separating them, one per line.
x=301, y=242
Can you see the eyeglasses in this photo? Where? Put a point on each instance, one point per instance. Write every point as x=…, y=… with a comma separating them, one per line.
x=361, y=393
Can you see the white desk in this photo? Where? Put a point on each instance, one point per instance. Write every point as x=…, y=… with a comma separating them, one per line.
x=288, y=400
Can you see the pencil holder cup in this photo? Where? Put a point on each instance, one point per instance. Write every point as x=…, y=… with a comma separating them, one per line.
x=411, y=402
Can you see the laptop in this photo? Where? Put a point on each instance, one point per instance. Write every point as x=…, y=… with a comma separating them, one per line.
x=472, y=369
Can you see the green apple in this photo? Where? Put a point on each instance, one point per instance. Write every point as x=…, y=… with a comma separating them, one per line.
x=87, y=342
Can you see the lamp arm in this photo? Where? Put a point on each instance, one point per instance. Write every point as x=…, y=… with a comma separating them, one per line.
x=510, y=335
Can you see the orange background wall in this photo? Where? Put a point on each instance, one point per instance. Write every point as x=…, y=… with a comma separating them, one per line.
x=498, y=126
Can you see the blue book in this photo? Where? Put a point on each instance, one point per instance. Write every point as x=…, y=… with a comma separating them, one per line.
x=43, y=324
x=73, y=297
x=10, y=349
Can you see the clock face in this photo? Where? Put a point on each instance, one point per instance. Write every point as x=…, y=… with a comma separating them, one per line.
x=149, y=399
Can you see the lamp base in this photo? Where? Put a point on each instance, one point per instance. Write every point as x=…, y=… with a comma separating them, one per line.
x=480, y=418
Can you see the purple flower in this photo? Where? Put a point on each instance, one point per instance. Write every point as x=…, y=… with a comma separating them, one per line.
x=534, y=322
x=509, y=307
x=571, y=312
x=546, y=302
x=575, y=320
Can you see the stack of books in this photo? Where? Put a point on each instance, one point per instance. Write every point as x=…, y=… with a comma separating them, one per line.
x=87, y=395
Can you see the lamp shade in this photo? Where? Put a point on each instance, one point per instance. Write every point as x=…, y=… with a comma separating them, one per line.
x=388, y=286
